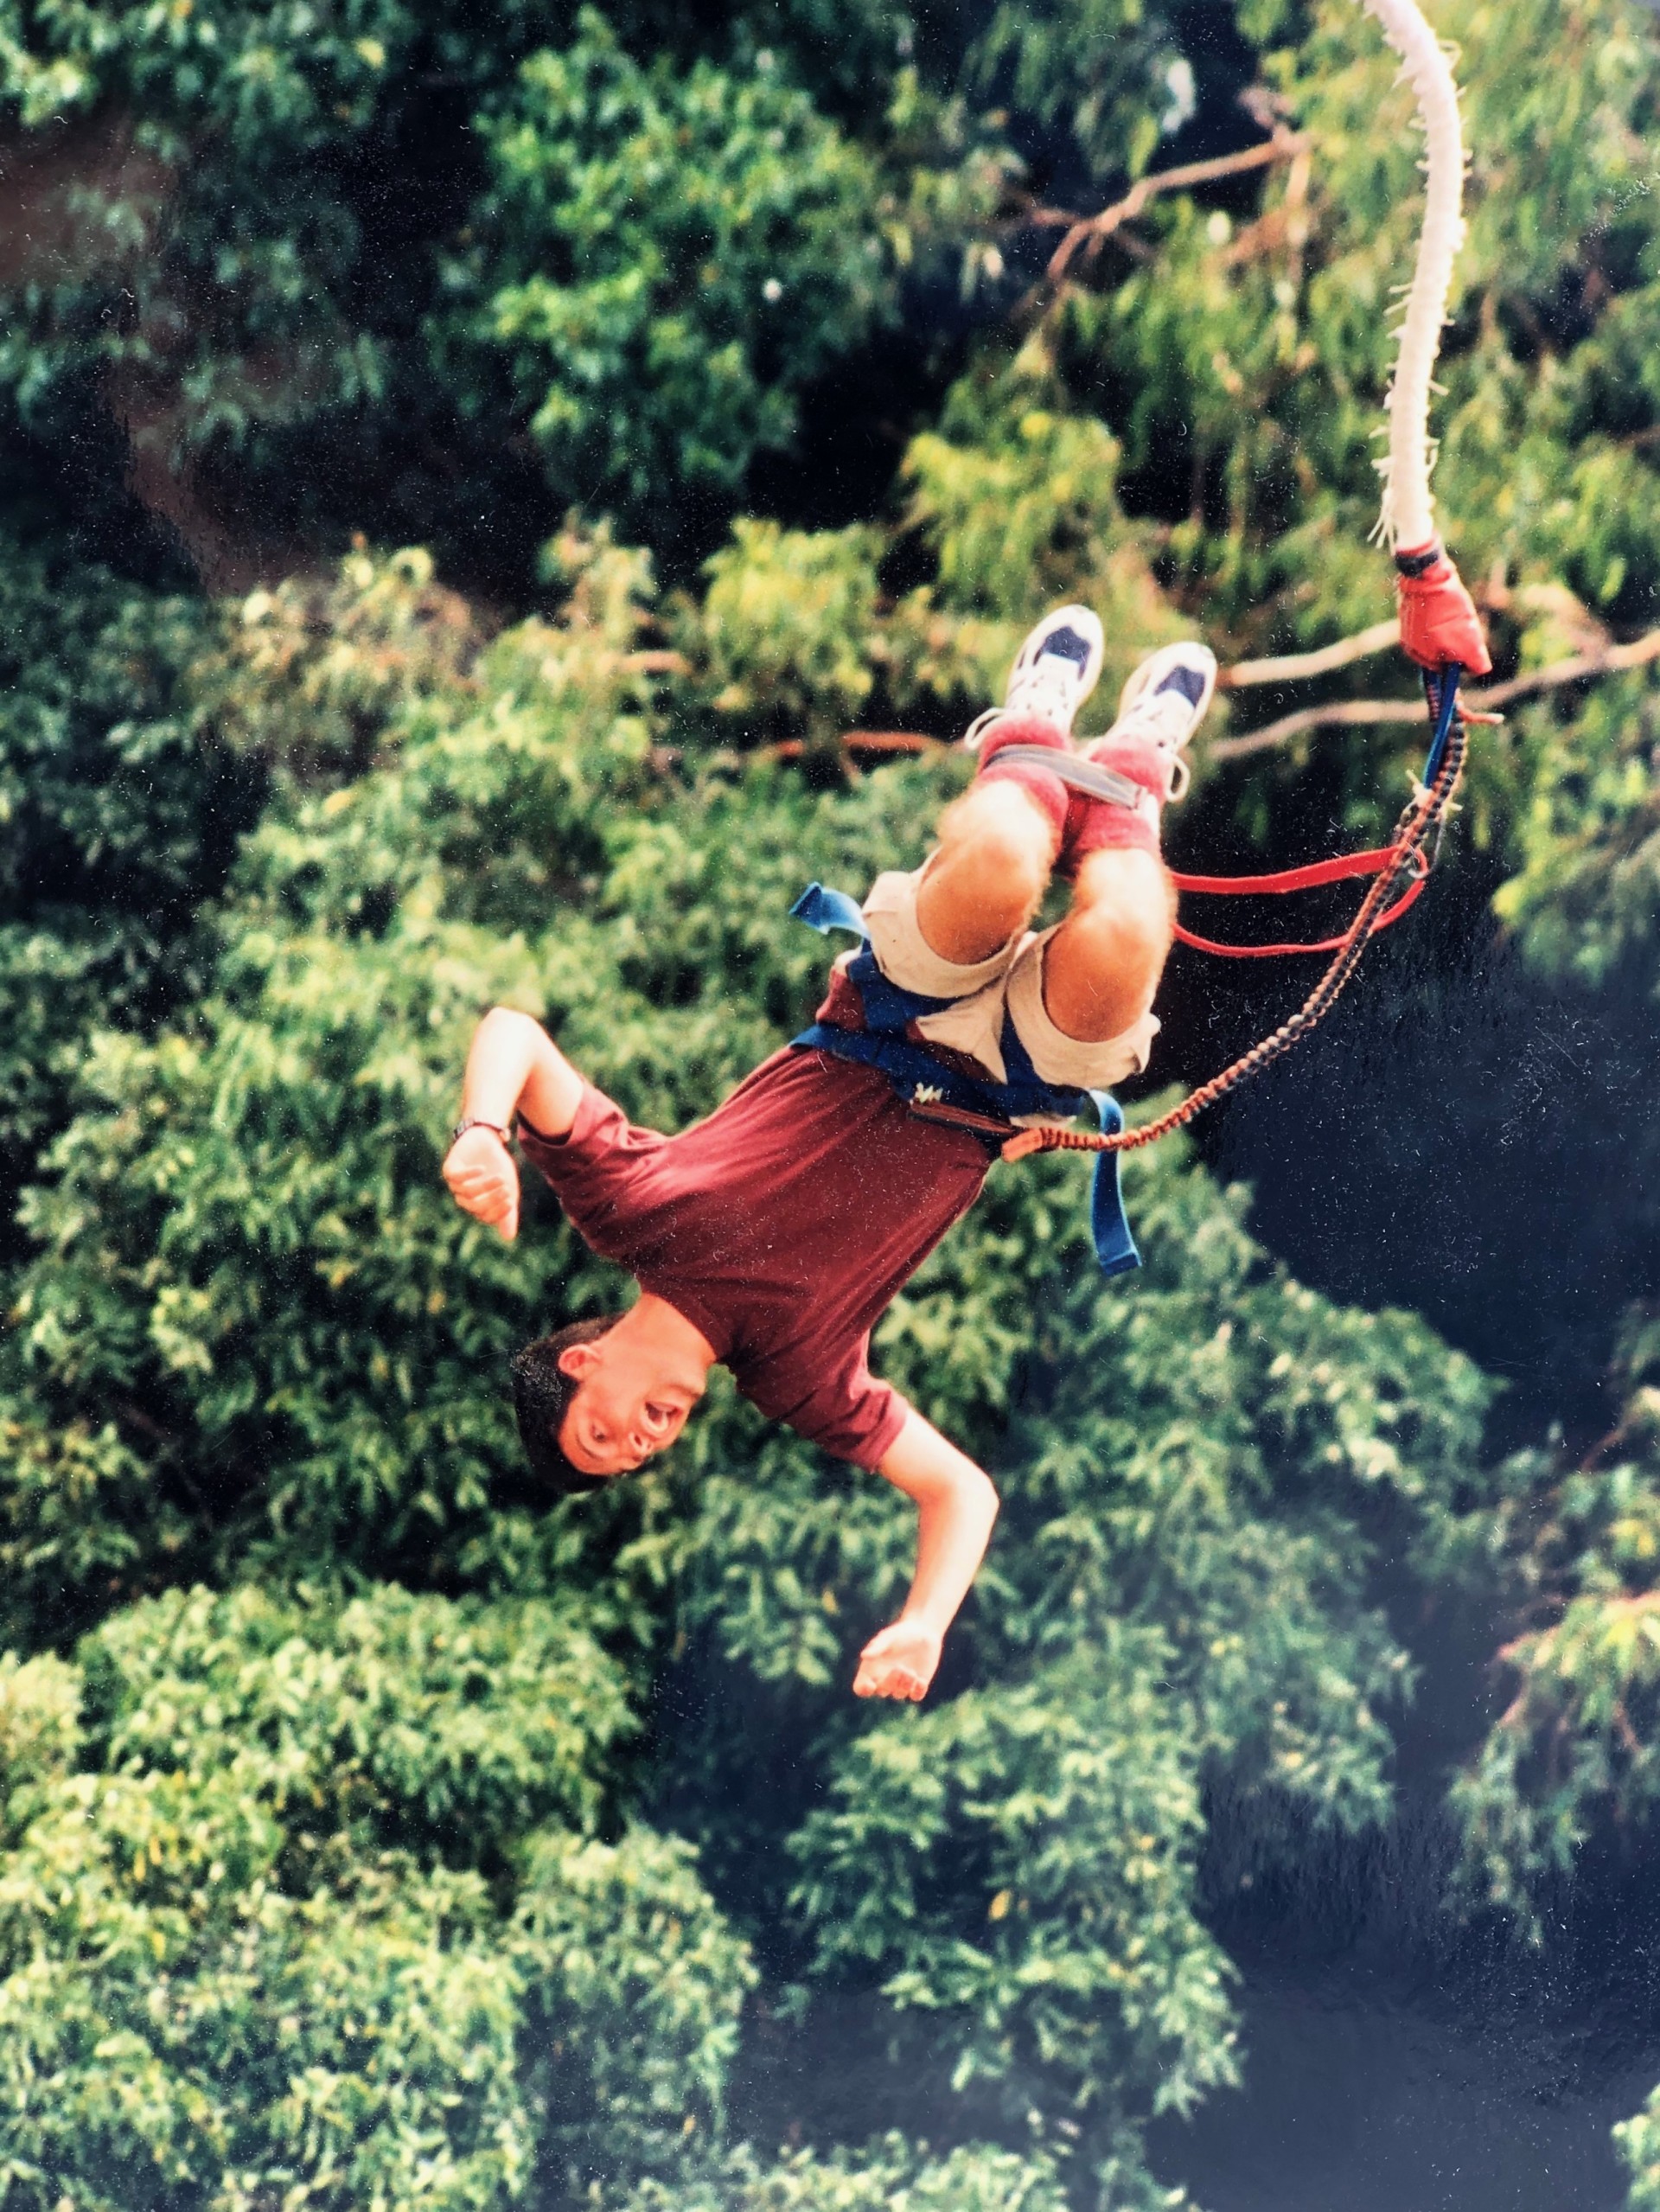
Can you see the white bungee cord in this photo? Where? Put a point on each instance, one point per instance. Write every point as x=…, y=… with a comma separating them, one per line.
x=1408, y=518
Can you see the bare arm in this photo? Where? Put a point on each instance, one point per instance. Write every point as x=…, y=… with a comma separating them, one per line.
x=956, y=1506
x=513, y=1067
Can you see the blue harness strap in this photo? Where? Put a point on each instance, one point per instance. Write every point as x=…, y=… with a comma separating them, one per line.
x=922, y=1080
x=825, y=911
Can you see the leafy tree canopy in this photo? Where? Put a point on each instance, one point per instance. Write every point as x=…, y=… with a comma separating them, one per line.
x=373, y=1834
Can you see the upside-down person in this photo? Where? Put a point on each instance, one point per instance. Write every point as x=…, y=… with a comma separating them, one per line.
x=771, y=1237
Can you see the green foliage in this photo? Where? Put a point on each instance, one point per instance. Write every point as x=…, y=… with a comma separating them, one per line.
x=119, y=812
x=313, y=677
x=1575, y=1746
x=1110, y=72
x=249, y=1943
x=1073, y=1806
x=1013, y=499
x=1016, y=496
x=632, y=1984
x=787, y=623
x=705, y=239
x=1583, y=893
x=1638, y=2143
x=128, y=233
x=975, y=2178
x=204, y=229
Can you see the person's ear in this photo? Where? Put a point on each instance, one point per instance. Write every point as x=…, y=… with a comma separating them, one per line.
x=579, y=1359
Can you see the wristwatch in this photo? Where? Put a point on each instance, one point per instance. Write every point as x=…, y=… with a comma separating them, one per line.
x=494, y=1128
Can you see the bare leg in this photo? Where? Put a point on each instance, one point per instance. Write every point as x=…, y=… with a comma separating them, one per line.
x=988, y=877
x=1101, y=966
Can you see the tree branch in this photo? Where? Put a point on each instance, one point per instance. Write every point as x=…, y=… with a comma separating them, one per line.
x=1293, y=667
x=1583, y=665
x=863, y=747
x=1353, y=714
x=1094, y=231
x=1346, y=713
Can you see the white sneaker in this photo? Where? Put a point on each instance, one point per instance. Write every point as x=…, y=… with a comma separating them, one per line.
x=1054, y=672
x=1165, y=701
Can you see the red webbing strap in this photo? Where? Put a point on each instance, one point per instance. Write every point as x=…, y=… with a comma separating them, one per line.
x=1425, y=812
x=1307, y=879
x=1317, y=872
x=1277, y=951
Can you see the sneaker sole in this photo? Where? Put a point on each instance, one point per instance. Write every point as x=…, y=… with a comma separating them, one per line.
x=1145, y=679
x=1082, y=619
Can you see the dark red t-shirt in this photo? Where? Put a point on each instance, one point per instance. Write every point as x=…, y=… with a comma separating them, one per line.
x=781, y=1227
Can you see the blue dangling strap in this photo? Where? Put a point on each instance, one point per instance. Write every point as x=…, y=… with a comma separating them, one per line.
x=825, y=911
x=909, y=1066
x=1115, y=1247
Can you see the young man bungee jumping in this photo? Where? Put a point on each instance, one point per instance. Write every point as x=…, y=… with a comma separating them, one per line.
x=771, y=1236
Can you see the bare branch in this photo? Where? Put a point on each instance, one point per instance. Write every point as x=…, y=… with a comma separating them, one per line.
x=1293, y=667
x=897, y=741
x=1355, y=713
x=1347, y=713
x=863, y=747
x=1583, y=665
x=1094, y=231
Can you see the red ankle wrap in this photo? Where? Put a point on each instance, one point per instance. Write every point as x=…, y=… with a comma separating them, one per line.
x=1093, y=826
x=1048, y=791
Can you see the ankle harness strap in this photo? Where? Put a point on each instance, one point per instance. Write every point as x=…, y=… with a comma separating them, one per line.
x=1083, y=775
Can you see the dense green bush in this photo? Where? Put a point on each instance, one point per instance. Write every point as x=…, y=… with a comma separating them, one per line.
x=305, y=1897
x=703, y=237
x=120, y=822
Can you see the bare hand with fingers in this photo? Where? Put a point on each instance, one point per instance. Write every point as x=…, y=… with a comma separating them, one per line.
x=898, y=1662
x=484, y=1180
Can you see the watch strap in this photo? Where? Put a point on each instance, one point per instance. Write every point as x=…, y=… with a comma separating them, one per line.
x=477, y=1121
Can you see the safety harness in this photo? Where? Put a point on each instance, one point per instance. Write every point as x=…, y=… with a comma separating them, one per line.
x=1399, y=870
x=939, y=1091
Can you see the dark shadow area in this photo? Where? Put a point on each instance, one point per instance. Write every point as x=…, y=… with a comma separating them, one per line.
x=1460, y=1137
x=1394, y=2062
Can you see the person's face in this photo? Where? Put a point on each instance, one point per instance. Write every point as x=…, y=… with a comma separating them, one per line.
x=627, y=1407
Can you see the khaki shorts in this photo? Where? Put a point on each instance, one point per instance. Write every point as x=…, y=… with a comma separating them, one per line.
x=1011, y=981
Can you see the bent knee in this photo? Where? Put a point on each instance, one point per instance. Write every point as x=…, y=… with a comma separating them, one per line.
x=1003, y=838
x=1129, y=896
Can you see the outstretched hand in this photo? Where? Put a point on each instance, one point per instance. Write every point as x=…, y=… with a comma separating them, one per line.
x=897, y=1662
x=483, y=1181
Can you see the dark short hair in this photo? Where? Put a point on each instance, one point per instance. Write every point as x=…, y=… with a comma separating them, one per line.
x=542, y=1392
